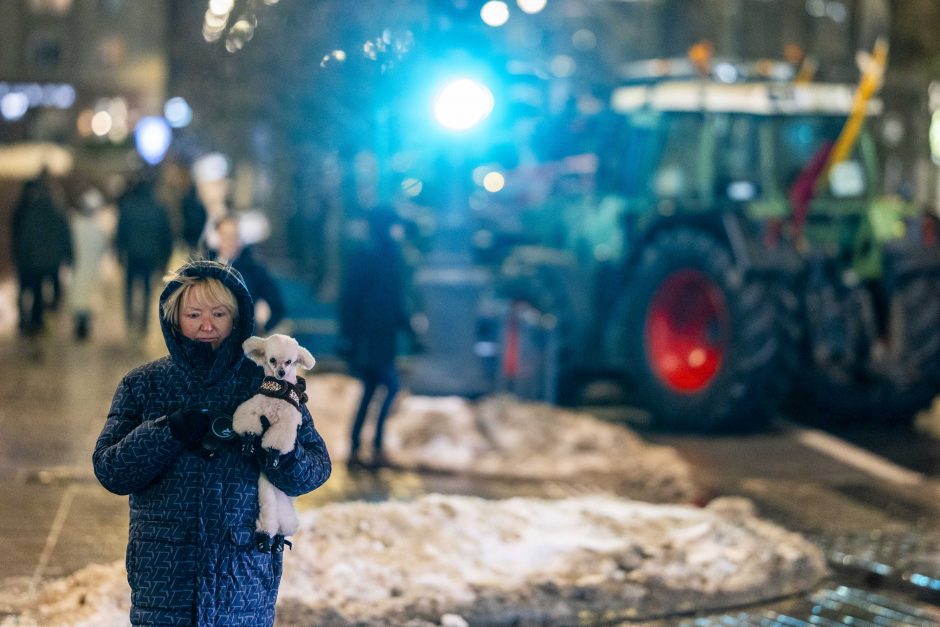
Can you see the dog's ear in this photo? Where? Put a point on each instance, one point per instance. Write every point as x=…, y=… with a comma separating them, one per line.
x=305, y=359
x=254, y=349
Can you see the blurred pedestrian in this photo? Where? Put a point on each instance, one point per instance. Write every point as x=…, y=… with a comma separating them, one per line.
x=192, y=554
x=194, y=218
x=92, y=230
x=144, y=244
x=231, y=249
x=372, y=311
x=41, y=246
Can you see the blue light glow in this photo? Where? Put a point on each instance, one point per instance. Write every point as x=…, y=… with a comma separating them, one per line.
x=152, y=136
x=462, y=104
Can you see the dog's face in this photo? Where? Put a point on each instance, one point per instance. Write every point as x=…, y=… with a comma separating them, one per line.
x=280, y=355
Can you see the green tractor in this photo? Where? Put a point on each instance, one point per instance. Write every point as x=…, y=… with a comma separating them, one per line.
x=735, y=256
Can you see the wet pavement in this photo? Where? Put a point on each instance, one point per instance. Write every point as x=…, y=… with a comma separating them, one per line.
x=880, y=537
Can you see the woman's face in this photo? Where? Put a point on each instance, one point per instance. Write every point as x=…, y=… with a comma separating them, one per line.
x=204, y=322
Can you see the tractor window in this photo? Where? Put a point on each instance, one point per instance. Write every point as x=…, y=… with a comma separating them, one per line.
x=629, y=168
x=736, y=172
x=802, y=147
x=676, y=174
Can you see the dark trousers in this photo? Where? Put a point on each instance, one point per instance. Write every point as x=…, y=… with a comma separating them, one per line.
x=30, y=300
x=372, y=379
x=139, y=279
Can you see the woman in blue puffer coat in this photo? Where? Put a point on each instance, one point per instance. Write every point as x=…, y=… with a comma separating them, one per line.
x=191, y=552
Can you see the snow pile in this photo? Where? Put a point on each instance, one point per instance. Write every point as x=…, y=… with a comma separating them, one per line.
x=94, y=596
x=501, y=562
x=500, y=436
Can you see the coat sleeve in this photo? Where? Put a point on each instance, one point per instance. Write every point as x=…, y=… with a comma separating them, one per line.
x=304, y=469
x=131, y=452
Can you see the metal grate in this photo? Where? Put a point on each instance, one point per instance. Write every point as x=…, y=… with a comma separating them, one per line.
x=830, y=607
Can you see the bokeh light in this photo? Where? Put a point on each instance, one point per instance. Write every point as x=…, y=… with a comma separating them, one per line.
x=177, y=112
x=462, y=104
x=14, y=105
x=494, y=182
x=563, y=66
x=101, y=123
x=531, y=6
x=221, y=7
x=153, y=137
x=495, y=13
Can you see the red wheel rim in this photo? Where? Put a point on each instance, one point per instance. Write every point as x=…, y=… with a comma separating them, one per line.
x=687, y=331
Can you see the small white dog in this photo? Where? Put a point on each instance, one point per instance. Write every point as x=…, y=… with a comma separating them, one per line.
x=278, y=403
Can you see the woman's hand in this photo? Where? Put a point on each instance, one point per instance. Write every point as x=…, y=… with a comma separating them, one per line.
x=188, y=426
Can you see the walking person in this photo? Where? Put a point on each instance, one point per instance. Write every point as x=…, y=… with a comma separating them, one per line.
x=42, y=244
x=192, y=558
x=231, y=249
x=144, y=244
x=92, y=230
x=372, y=312
x=194, y=217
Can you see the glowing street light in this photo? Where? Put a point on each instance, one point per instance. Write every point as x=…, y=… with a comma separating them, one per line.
x=462, y=104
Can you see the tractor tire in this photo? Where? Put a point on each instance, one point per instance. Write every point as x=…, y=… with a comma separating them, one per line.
x=866, y=379
x=913, y=373
x=698, y=337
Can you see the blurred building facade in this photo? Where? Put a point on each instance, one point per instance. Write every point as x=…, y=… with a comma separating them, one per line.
x=296, y=99
x=78, y=74
x=104, y=49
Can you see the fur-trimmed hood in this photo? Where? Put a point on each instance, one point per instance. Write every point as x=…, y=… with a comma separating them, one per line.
x=198, y=358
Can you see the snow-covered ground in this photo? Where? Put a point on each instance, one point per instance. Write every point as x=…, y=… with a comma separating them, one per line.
x=448, y=559
x=500, y=436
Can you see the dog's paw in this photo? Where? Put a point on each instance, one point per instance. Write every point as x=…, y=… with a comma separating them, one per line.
x=281, y=436
x=246, y=422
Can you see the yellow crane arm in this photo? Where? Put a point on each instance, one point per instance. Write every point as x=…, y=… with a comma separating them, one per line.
x=873, y=68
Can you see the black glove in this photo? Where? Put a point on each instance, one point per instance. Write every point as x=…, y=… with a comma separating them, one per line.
x=189, y=425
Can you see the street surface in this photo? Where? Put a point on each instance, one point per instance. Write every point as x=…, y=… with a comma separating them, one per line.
x=869, y=497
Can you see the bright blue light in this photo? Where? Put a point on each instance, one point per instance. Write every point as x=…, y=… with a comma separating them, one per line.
x=462, y=104
x=152, y=137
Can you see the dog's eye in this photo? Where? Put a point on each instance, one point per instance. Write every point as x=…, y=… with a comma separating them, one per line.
x=287, y=363
x=272, y=360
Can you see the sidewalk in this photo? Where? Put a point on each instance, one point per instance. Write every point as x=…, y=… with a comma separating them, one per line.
x=54, y=396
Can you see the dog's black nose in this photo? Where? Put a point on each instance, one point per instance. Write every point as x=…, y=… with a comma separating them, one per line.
x=280, y=372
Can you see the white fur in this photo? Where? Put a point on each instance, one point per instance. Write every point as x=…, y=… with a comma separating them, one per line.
x=280, y=356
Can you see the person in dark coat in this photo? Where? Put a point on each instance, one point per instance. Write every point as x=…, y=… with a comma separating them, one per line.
x=372, y=311
x=261, y=284
x=42, y=243
x=192, y=558
x=194, y=218
x=144, y=244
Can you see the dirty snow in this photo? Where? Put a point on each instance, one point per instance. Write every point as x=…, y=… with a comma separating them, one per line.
x=501, y=436
x=453, y=558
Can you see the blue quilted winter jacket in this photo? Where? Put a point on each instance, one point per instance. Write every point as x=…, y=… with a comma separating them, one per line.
x=191, y=557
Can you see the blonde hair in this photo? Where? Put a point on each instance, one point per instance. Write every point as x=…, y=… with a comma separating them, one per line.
x=206, y=291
